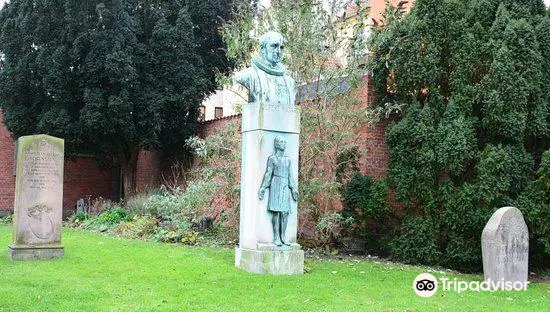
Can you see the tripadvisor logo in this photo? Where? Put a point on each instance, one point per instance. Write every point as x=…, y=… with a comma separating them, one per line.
x=425, y=285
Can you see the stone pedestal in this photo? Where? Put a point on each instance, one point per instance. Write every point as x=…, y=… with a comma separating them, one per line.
x=271, y=259
x=35, y=252
x=505, y=247
x=38, y=198
x=256, y=253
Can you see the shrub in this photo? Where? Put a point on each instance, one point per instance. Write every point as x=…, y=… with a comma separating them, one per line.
x=189, y=238
x=331, y=225
x=138, y=227
x=416, y=241
x=107, y=220
x=182, y=207
x=139, y=203
x=365, y=198
x=472, y=123
x=366, y=201
x=114, y=216
x=166, y=215
x=534, y=202
x=316, y=208
x=7, y=219
x=173, y=236
x=100, y=205
x=78, y=218
x=220, y=235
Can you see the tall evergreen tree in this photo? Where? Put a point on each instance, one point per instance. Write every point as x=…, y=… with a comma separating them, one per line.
x=111, y=77
x=472, y=80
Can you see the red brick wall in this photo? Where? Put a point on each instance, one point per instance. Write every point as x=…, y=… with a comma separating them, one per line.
x=148, y=171
x=375, y=162
x=82, y=177
x=7, y=180
x=210, y=127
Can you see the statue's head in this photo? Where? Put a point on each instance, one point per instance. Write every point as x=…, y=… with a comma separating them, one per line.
x=280, y=143
x=271, y=47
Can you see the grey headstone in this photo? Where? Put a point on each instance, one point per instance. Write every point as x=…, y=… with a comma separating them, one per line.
x=205, y=223
x=83, y=205
x=38, y=198
x=505, y=246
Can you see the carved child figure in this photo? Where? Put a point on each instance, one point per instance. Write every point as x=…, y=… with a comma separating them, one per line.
x=282, y=187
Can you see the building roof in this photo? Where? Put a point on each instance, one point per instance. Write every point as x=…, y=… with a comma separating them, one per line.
x=376, y=7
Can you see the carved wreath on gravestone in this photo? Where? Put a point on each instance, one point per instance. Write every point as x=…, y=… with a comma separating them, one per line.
x=41, y=224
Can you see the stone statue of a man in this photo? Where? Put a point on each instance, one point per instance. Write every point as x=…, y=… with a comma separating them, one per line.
x=270, y=87
x=269, y=189
x=278, y=178
x=267, y=80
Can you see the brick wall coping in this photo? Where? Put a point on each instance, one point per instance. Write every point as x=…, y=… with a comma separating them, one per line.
x=221, y=118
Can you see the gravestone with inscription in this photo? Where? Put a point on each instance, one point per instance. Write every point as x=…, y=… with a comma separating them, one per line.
x=505, y=247
x=269, y=186
x=38, y=198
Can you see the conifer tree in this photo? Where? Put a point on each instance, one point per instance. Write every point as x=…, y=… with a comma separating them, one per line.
x=110, y=77
x=472, y=81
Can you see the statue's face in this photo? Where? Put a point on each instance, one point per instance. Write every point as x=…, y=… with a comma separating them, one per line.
x=280, y=144
x=273, y=51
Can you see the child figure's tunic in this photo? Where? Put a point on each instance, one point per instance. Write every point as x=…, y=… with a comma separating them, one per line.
x=277, y=179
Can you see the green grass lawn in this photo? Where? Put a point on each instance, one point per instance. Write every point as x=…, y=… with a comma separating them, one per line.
x=101, y=273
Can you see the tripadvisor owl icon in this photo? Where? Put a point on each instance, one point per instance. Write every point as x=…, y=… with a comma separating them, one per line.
x=425, y=285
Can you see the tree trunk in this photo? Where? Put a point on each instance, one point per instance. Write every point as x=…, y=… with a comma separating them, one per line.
x=128, y=166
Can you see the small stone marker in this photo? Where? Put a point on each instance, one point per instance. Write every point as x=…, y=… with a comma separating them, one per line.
x=38, y=199
x=83, y=205
x=505, y=247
